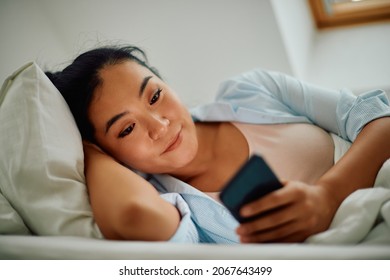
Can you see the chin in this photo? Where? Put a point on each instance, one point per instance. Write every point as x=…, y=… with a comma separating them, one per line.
x=181, y=158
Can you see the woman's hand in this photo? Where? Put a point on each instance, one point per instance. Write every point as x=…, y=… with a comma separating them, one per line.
x=290, y=214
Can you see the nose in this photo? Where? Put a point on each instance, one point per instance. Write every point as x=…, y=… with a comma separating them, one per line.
x=157, y=126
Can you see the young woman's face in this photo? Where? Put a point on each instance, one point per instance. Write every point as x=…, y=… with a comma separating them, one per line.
x=139, y=120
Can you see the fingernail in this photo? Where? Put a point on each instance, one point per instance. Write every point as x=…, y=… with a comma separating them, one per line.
x=244, y=240
x=240, y=230
x=245, y=211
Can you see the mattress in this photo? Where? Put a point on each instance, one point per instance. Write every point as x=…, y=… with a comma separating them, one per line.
x=55, y=247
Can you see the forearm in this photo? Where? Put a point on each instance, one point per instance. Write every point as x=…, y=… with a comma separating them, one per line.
x=147, y=218
x=126, y=206
x=359, y=167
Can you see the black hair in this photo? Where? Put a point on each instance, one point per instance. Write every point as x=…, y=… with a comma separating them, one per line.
x=78, y=81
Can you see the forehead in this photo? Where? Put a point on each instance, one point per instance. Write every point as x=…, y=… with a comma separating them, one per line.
x=127, y=72
x=119, y=79
x=120, y=84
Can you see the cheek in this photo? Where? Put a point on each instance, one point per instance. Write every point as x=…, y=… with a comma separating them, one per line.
x=174, y=109
x=133, y=154
x=191, y=148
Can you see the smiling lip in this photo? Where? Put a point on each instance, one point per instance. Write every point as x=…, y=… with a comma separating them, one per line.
x=175, y=142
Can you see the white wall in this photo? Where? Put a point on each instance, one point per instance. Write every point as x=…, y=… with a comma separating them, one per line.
x=194, y=43
x=357, y=57
x=298, y=32
x=197, y=43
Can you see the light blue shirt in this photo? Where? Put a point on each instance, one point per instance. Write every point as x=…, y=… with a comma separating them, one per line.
x=264, y=97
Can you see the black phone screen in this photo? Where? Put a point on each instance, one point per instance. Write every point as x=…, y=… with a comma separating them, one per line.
x=254, y=180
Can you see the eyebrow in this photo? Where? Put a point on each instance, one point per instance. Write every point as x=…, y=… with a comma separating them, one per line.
x=144, y=84
x=111, y=121
x=115, y=118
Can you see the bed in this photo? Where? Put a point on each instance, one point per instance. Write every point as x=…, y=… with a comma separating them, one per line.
x=45, y=212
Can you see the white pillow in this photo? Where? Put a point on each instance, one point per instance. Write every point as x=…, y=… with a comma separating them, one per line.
x=10, y=221
x=41, y=157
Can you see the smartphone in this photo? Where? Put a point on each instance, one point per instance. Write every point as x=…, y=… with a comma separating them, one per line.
x=252, y=181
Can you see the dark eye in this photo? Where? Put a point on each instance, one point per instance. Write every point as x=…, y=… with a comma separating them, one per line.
x=155, y=96
x=127, y=131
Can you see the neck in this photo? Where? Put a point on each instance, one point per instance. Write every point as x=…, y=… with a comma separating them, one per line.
x=205, y=156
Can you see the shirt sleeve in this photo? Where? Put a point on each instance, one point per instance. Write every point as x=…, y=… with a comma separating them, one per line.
x=337, y=111
x=187, y=231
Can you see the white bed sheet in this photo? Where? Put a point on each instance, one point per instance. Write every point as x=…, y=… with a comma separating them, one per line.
x=40, y=247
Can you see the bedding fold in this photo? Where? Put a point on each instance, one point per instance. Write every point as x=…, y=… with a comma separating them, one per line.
x=364, y=216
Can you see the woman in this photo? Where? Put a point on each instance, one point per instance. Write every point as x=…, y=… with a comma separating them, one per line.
x=131, y=121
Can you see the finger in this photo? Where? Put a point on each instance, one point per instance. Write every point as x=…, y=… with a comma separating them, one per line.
x=274, y=235
x=264, y=204
x=272, y=220
x=274, y=200
x=299, y=236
